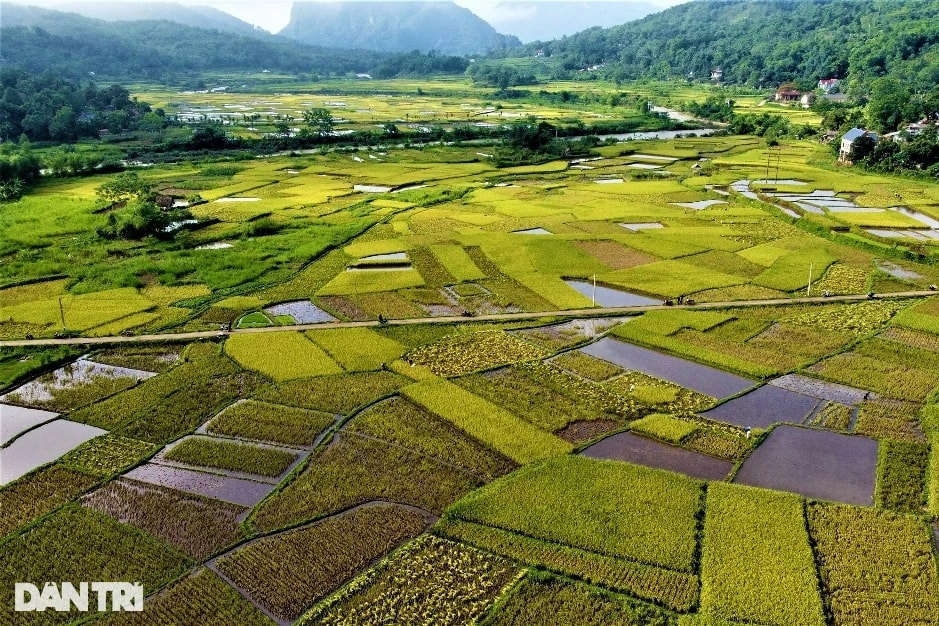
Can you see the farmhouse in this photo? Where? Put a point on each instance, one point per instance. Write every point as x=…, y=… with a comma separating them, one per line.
x=829, y=85
x=911, y=130
x=848, y=141
x=717, y=74
x=787, y=96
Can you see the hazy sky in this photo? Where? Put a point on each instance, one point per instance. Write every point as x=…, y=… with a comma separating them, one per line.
x=273, y=15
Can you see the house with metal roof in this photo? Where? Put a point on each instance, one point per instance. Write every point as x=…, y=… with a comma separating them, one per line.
x=848, y=141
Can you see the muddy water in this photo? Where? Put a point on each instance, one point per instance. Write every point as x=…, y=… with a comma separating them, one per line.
x=16, y=419
x=75, y=374
x=814, y=463
x=642, y=451
x=707, y=380
x=302, y=311
x=605, y=296
x=235, y=490
x=763, y=407
x=532, y=231
x=42, y=445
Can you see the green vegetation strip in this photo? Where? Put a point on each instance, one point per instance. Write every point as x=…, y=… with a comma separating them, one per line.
x=587, y=366
x=270, y=422
x=405, y=424
x=228, y=455
x=335, y=394
x=282, y=356
x=357, y=349
x=107, y=455
x=199, y=598
x=877, y=567
x=353, y=470
x=665, y=427
x=675, y=590
x=429, y=581
x=530, y=399
x=456, y=261
x=289, y=572
x=79, y=544
x=901, y=474
x=462, y=354
x=496, y=427
x=545, y=600
x=756, y=563
x=38, y=493
x=610, y=508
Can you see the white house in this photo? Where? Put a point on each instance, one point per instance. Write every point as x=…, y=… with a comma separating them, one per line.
x=849, y=139
x=829, y=85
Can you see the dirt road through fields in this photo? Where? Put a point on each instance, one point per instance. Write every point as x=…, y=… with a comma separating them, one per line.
x=499, y=317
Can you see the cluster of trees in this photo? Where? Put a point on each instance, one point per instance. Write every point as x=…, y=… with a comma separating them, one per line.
x=721, y=109
x=416, y=64
x=919, y=153
x=499, y=75
x=530, y=141
x=19, y=166
x=891, y=105
x=766, y=42
x=48, y=107
x=135, y=213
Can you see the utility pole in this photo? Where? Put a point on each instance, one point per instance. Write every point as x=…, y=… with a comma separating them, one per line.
x=594, y=298
x=808, y=291
x=61, y=314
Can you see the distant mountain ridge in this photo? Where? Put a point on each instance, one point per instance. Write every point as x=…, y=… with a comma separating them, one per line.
x=194, y=15
x=395, y=27
x=37, y=40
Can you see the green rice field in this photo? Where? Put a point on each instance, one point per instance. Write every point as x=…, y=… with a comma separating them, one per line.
x=400, y=384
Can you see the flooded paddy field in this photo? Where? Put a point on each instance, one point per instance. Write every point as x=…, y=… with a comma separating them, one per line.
x=635, y=449
x=814, y=463
x=763, y=407
x=607, y=297
x=707, y=380
x=225, y=488
x=41, y=445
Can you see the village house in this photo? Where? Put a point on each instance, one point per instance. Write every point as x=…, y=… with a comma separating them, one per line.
x=717, y=74
x=911, y=130
x=829, y=85
x=848, y=141
x=787, y=96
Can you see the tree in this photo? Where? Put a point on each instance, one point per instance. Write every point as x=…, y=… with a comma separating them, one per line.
x=321, y=120
x=887, y=104
x=125, y=187
x=18, y=167
x=64, y=124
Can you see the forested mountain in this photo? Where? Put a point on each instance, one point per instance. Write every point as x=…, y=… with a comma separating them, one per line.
x=195, y=15
x=37, y=40
x=767, y=42
x=394, y=27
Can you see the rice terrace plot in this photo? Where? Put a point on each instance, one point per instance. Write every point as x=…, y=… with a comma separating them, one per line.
x=414, y=381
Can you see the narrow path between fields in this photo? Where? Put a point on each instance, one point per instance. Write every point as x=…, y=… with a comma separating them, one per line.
x=497, y=317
